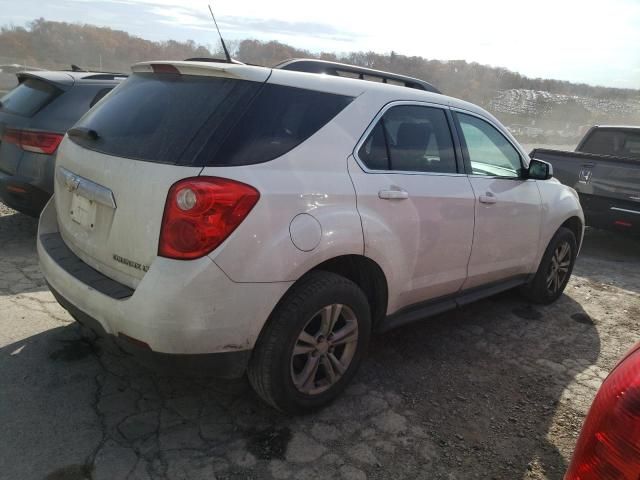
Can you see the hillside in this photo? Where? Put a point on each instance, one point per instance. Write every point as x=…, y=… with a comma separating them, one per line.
x=537, y=110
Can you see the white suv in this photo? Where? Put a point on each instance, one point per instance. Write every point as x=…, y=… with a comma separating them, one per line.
x=228, y=218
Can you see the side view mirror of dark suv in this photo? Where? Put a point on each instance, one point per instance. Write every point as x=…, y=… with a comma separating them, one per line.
x=539, y=170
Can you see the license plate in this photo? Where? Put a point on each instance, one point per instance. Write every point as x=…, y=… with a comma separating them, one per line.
x=83, y=211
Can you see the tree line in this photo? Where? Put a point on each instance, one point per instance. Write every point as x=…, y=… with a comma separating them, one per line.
x=56, y=45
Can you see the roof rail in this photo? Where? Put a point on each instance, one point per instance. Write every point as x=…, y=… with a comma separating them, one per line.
x=351, y=71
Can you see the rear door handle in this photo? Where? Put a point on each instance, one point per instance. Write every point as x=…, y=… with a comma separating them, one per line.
x=392, y=194
x=488, y=198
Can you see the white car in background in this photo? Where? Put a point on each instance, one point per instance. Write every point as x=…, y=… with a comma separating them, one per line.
x=230, y=218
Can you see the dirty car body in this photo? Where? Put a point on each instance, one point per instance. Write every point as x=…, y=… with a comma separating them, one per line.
x=238, y=218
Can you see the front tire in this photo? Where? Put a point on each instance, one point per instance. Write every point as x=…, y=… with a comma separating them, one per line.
x=555, y=268
x=313, y=344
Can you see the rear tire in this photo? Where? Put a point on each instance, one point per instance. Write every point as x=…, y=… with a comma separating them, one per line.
x=554, y=270
x=313, y=344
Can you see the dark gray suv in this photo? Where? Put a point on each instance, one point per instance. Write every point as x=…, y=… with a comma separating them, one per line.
x=34, y=117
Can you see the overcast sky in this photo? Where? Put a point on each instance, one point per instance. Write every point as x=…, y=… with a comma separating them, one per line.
x=596, y=42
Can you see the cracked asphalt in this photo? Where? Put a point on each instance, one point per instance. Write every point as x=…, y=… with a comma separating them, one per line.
x=497, y=390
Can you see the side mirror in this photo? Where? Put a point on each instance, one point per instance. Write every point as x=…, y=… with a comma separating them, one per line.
x=539, y=170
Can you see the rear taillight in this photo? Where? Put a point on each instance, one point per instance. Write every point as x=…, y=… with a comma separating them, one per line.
x=33, y=140
x=200, y=213
x=623, y=223
x=609, y=444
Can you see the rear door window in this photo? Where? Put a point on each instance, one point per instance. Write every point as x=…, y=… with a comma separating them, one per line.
x=613, y=142
x=410, y=138
x=29, y=97
x=198, y=120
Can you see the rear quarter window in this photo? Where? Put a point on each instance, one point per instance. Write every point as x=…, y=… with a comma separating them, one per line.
x=99, y=96
x=278, y=120
x=29, y=97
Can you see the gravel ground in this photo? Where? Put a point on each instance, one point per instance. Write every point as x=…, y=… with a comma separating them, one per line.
x=497, y=390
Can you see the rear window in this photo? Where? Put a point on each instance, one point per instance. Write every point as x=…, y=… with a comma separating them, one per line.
x=194, y=120
x=29, y=97
x=619, y=143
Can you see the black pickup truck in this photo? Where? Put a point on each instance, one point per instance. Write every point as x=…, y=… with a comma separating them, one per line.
x=605, y=171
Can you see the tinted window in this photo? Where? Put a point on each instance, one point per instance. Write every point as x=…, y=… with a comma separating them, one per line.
x=612, y=142
x=410, y=138
x=99, y=96
x=28, y=97
x=489, y=152
x=279, y=119
x=194, y=120
x=154, y=117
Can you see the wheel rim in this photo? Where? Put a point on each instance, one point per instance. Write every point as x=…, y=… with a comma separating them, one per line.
x=559, y=267
x=324, y=349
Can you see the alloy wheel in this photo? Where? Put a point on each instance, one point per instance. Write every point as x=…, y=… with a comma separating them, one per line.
x=559, y=267
x=324, y=349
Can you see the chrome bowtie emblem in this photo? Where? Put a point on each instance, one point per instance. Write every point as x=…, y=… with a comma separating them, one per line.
x=72, y=182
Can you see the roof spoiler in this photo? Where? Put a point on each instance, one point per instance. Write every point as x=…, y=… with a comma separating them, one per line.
x=337, y=69
x=215, y=60
x=204, y=68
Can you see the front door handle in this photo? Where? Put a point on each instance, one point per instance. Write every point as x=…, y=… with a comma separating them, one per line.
x=392, y=194
x=488, y=198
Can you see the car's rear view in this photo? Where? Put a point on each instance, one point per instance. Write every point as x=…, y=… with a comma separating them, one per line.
x=124, y=242
x=20, y=137
x=34, y=117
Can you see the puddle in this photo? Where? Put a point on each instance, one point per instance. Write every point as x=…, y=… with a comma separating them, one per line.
x=72, y=351
x=270, y=443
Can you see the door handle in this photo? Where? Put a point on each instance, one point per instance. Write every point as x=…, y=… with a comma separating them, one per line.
x=392, y=194
x=488, y=198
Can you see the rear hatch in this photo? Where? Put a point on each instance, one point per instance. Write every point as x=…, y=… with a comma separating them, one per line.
x=116, y=166
x=20, y=105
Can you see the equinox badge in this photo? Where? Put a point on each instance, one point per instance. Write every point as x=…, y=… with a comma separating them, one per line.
x=130, y=263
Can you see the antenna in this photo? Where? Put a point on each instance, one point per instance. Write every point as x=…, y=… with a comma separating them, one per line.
x=224, y=47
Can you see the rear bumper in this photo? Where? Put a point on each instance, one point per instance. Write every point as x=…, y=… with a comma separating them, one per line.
x=179, y=309
x=222, y=365
x=21, y=194
x=611, y=214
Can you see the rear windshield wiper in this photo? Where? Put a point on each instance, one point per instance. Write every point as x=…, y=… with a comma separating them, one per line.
x=83, y=132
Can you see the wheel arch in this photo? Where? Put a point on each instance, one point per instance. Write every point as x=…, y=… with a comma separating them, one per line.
x=362, y=271
x=368, y=275
x=575, y=225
